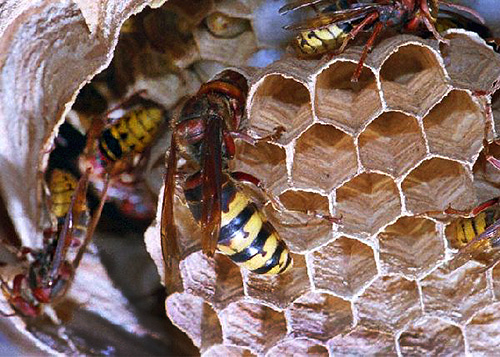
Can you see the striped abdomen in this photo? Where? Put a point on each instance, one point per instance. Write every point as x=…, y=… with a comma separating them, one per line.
x=469, y=228
x=245, y=235
x=62, y=186
x=320, y=41
x=133, y=132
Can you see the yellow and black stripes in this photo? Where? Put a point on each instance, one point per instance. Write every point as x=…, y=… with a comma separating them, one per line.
x=313, y=42
x=320, y=41
x=245, y=235
x=469, y=228
x=133, y=132
x=62, y=186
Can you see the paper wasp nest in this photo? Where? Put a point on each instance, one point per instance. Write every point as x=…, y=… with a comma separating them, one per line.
x=408, y=138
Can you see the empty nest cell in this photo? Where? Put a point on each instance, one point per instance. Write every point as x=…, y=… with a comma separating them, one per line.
x=411, y=246
x=455, y=127
x=279, y=290
x=483, y=330
x=319, y=316
x=304, y=201
x=470, y=63
x=344, y=267
x=388, y=304
x=412, y=79
x=437, y=184
x=299, y=224
x=362, y=341
x=455, y=294
x=196, y=318
x=217, y=280
x=263, y=160
x=367, y=203
x=431, y=337
x=252, y=326
x=342, y=103
x=392, y=143
x=324, y=158
x=280, y=102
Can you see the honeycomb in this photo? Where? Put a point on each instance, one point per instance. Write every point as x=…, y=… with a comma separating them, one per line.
x=381, y=154
x=405, y=140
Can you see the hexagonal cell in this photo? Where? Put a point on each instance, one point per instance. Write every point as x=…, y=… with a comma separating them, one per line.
x=411, y=246
x=196, y=318
x=227, y=351
x=388, y=304
x=252, y=326
x=469, y=62
x=431, y=337
x=344, y=266
x=280, y=101
x=298, y=347
x=340, y=102
x=367, y=203
x=392, y=143
x=456, y=294
x=483, y=330
x=437, y=184
x=486, y=176
x=324, y=158
x=455, y=127
x=279, y=290
x=412, y=79
x=363, y=342
x=217, y=280
x=297, y=224
x=264, y=160
x=319, y=316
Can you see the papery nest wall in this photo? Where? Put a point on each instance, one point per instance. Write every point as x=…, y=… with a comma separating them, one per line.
x=49, y=51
